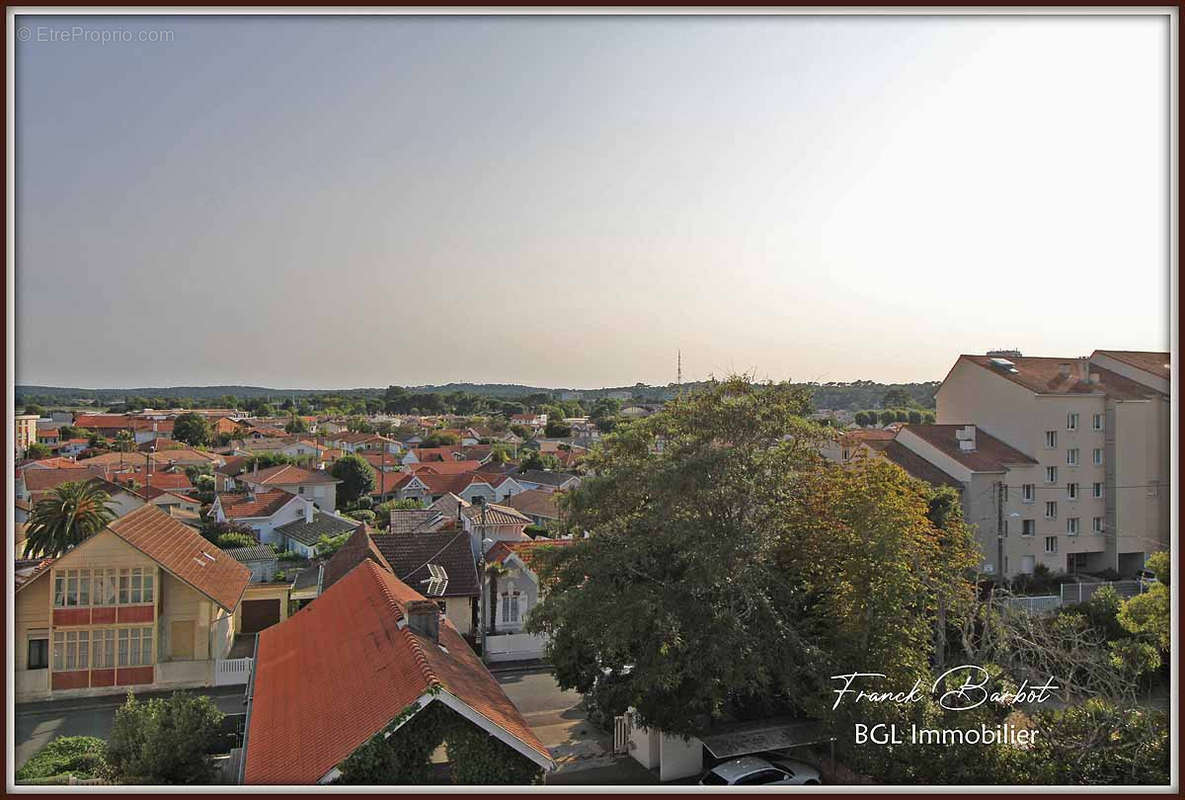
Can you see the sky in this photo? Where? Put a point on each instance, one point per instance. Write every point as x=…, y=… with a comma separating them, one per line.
x=338, y=202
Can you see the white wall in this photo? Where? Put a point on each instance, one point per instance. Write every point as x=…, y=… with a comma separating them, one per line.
x=679, y=758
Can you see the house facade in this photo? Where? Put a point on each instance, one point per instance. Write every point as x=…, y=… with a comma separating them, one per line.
x=145, y=603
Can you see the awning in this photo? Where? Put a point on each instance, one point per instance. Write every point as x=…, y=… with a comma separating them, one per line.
x=761, y=736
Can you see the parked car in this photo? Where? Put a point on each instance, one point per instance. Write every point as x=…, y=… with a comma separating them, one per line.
x=754, y=771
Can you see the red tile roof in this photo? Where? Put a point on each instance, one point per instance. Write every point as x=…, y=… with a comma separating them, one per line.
x=263, y=504
x=523, y=550
x=184, y=553
x=444, y=467
x=535, y=502
x=1158, y=364
x=44, y=480
x=1044, y=376
x=285, y=474
x=990, y=454
x=308, y=713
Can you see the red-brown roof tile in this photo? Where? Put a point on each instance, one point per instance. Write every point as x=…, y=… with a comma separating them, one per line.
x=308, y=714
x=262, y=504
x=184, y=553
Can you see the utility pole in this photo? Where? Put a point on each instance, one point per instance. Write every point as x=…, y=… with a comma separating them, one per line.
x=679, y=370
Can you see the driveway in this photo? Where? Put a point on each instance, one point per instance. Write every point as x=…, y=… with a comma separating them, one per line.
x=582, y=752
x=37, y=723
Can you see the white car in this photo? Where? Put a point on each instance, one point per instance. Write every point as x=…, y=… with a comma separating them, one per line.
x=754, y=771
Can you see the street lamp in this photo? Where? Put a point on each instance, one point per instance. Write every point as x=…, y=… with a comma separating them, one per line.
x=480, y=635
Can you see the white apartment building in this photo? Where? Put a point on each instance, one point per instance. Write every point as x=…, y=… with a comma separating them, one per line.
x=1092, y=490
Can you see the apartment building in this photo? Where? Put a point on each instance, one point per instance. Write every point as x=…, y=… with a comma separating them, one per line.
x=24, y=432
x=1096, y=428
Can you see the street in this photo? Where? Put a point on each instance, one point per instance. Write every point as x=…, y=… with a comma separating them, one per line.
x=37, y=723
x=583, y=753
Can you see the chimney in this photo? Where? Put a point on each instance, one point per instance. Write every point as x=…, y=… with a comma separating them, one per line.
x=308, y=511
x=1063, y=370
x=966, y=438
x=423, y=617
x=1084, y=369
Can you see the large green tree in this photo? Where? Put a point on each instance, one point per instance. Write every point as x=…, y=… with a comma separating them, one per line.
x=166, y=741
x=64, y=518
x=729, y=568
x=357, y=478
x=192, y=428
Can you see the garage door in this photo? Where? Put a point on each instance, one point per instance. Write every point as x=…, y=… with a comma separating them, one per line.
x=258, y=614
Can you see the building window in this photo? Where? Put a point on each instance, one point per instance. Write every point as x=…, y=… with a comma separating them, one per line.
x=1072, y=526
x=1072, y=491
x=1028, y=492
x=1072, y=456
x=1050, y=439
x=103, y=587
x=1096, y=490
x=135, y=646
x=38, y=654
x=1072, y=421
x=70, y=650
x=1097, y=456
x=1028, y=527
x=1051, y=474
x=1096, y=525
x=1050, y=544
x=1096, y=422
x=104, y=649
x=135, y=586
x=510, y=607
x=1051, y=509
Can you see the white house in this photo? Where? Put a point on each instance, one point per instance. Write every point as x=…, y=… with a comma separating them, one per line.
x=263, y=512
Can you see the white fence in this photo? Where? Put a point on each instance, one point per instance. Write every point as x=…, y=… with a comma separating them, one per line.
x=1035, y=605
x=1072, y=594
x=229, y=671
x=514, y=647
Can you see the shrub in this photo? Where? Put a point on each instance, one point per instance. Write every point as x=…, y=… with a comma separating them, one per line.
x=234, y=539
x=80, y=756
x=165, y=741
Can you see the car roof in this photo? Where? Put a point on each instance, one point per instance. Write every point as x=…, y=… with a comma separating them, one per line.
x=739, y=767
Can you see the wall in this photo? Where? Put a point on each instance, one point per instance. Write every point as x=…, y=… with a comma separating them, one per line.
x=32, y=613
x=180, y=603
x=459, y=611
x=679, y=758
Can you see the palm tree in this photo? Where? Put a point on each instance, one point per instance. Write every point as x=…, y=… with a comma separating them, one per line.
x=494, y=571
x=66, y=517
x=124, y=441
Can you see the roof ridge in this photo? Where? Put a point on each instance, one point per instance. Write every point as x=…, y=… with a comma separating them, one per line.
x=377, y=574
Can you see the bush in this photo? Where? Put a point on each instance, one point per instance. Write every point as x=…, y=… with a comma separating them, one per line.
x=80, y=756
x=362, y=515
x=229, y=540
x=166, y=741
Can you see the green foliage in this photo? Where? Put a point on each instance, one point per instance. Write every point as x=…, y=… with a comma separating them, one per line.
x=80, y=756
x=166, y=741
x=215, y=531
x=1148, y=616
x=33, y=408
x=861, y=418
x=64, y=518
x=533, y=459
x=441, y=439
x=887, y=416
x=328, y=545
x=233, y=539
x=385, y=509
x=735, y=568
x=36, y=451
x=296, y=425
x=521, y=431
x=1161, y=565
x=556, y=428
x=398, y=755
x=361, y=514
x=356, y=475
x=192, y=428
x=1098, y=744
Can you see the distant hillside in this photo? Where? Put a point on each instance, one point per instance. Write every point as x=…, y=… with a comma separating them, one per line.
x=854, y=396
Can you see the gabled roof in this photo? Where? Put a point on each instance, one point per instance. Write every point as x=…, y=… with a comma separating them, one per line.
x=1154, y=363
x=524, y=550
x=417, y=520
x=308, y=713
x=359, y=547
x=184, y=553
x=1045, y=376
x=990, y=454
x=444, y=467
x=410, y=554
x=44, y=480
x=919, y=467
x=286, y=474
x=545, y=477
x=536, y=503
x=262, y=504
x=496, y=515
x=309, y=533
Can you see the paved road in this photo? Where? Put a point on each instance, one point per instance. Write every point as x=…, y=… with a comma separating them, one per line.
x=582, y=752
x=37, y=723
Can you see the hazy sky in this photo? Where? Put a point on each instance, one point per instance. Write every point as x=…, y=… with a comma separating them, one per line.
x=337, y=202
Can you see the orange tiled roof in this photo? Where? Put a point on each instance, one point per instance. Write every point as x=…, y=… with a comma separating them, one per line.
x=44, y=480
x=284, y=474
x=264, y=504
x=523, y=550
x=1044, y=376
x=308, y=714
x=445, y=467
x=990, y=454
x=1158, y=364
x=183, y=552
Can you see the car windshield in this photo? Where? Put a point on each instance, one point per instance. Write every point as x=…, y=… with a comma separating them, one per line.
x=713, y=779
